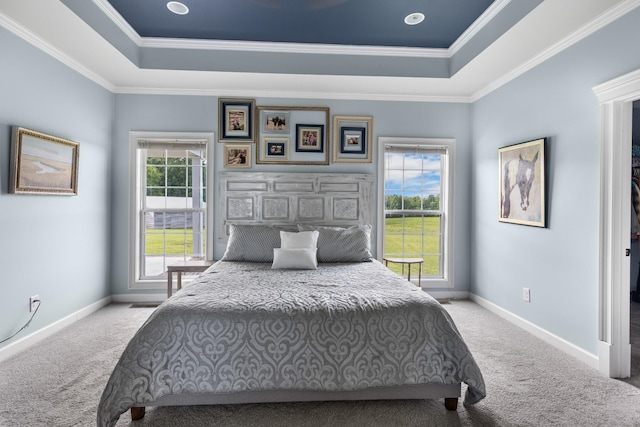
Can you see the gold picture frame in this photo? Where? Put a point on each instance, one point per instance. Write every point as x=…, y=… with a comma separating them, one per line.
x=274, y=149
x=349, y=129
x=43, y=164
x=237, y=156
x=295, y=120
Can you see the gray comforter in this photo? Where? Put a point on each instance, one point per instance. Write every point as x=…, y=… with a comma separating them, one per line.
x=244, y=326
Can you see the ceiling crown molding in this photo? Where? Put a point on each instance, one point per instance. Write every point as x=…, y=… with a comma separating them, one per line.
x=50, y=50
x=586, y=30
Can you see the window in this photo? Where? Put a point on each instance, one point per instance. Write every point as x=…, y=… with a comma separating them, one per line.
x=170, y=213
x=415, y=205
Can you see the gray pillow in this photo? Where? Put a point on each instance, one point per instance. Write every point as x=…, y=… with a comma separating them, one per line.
x=337, y=244
x=253, y=243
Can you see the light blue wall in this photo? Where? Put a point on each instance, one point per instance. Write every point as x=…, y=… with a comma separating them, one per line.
x=54, y=246
x=559, y=264
x=199, y=114
x=72, y=251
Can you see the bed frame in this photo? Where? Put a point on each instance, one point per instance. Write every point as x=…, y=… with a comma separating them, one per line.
x=289, y=199
x=450, y=392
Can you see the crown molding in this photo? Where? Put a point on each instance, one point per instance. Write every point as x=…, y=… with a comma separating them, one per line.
x=586, y=30
x=50, y=50
x=479, y=24
x=308, y=48
x=293, y=95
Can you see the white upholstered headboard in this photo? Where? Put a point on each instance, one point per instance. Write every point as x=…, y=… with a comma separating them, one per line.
x=333, y=199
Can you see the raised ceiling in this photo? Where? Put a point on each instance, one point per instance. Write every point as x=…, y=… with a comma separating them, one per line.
x=335, y=49
x=341, y=22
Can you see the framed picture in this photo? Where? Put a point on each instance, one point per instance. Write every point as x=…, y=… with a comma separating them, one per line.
x=310, y=138
x=237, y=156
x=235, y=121
x=274, y=121
x=522, y=183
x=352, y=139
x=43, y=164
x=275, y=149
x=292, y=135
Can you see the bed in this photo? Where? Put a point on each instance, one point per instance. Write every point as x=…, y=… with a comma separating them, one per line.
x=251, y=329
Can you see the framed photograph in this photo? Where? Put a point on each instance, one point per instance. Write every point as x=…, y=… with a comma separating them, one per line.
x=274, y=121
x=292, y=135
x=275, y=149
x=237, y=156
x=43, y=164
x=235, y=120
x=522, y=183
x=352, y=139
x=310, y=138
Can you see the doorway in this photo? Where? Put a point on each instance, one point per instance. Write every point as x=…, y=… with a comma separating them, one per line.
x=634, y=310
x=616, y=99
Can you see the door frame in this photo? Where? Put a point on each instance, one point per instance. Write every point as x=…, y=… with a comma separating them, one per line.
x=616, y=99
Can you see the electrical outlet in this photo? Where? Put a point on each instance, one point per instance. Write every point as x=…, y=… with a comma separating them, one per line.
x=34, y=302
x=526, y=294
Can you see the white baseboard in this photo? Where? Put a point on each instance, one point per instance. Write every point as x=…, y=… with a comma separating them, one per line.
x=546, y=336
x=139, y=298
x=39, y=335
x=447, y=294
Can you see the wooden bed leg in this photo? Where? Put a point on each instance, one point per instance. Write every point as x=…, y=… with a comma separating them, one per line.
x=137, y=413
x=451, y=403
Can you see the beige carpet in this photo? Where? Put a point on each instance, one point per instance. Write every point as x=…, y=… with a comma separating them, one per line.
x=529, y=383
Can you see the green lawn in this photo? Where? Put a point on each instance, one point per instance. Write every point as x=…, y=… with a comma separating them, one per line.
x=175, y=241
x=413, y=238
x=414, y=242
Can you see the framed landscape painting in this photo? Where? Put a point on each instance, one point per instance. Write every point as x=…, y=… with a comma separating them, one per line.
x=43, y=164
x=522, y=183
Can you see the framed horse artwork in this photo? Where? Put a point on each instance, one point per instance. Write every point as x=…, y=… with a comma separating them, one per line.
x=522, y=183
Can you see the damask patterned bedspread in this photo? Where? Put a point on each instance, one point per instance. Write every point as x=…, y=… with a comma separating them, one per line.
x=244, y=326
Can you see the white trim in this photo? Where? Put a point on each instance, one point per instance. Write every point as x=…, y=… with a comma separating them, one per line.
x=134, y=177
x=478, y=25
x=139, y=298
x=447, y=175
x=242, y=93
x=453, y=295
x=586, y=30
x=616, y=109
x=45, y=332
x=50, y=50
x=546, y=336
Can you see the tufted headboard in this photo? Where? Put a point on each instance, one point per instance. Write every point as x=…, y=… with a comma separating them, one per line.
x=333, y=199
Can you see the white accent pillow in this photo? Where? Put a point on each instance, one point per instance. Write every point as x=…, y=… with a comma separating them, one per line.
x=302, y=239
x=295, y=259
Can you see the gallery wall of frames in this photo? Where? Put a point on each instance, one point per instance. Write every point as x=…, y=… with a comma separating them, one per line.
x=290, y=135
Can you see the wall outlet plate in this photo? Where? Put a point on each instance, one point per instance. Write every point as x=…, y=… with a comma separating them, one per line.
x=34, y=302
x=526, y=294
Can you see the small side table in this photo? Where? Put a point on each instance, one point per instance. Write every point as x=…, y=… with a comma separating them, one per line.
x=195, y=266
x=408, y=262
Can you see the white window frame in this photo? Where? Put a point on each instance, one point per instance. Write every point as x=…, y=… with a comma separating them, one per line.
x=135, y=174
x=446, y=203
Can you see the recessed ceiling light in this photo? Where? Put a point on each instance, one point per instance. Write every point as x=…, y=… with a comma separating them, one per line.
x=177, y=8
x=414, y=18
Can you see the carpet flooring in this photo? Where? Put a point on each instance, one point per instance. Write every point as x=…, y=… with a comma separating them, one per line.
x=58, y=383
